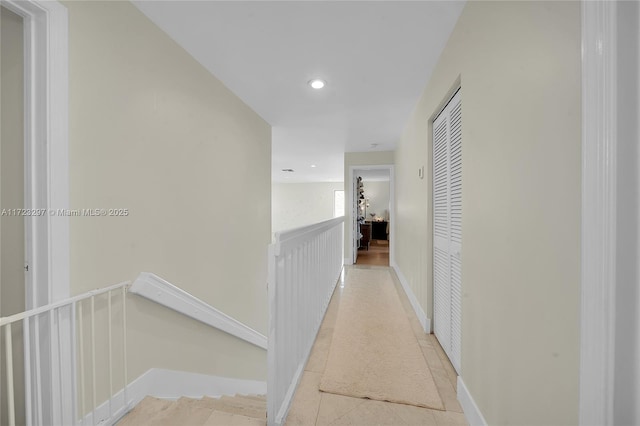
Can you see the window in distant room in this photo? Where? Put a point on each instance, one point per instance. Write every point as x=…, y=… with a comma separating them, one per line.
x=338, y=203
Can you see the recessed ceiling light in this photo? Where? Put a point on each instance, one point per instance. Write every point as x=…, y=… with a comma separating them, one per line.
x=317, y=83
x=313, y=166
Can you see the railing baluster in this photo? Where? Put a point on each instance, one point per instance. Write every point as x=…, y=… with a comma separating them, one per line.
x=124, y=343
x=53, y=373
x=93, y=360
x=9, y=361
x=290, y=303
x=284, y=288
x=81, y=341
x=26, y=324
x=74, y=369
x=61, y=398
x=307, y=281
x=286, y=306
x=297, y=283
x=39, y=419
x=110, y=359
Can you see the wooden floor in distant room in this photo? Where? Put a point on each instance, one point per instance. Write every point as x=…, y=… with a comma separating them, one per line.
x=378, y=254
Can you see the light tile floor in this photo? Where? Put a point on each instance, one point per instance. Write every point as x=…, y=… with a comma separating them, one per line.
x=312, y=407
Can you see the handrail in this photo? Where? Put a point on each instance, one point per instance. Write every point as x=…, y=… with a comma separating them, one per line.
x=55, y=305
x=288, y=234
x=158, y=290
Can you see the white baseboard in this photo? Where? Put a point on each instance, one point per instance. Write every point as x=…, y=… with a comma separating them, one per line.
x=469, y=406
x=169, y=384
x=156, y=289
x=422, y=317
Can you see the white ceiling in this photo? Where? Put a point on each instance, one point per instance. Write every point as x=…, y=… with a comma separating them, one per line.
x=376, y=57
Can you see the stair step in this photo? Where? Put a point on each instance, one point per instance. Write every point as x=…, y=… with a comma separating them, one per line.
x=223, y=418
x=255, y=397
x=236, y=407
x=200, y=412
x=239, y=410
x=245, y=401
x=146, y=409
x=185, y=412
x=174, y=409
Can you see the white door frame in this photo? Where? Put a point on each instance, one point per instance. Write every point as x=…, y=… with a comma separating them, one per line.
x=47, y=188
x=599, y=170
x=351, y=199
x=46, y=140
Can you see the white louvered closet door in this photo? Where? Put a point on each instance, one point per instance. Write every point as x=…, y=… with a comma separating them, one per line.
x=447, y=228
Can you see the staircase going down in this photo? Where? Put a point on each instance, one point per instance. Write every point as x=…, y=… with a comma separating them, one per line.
x=239, y=410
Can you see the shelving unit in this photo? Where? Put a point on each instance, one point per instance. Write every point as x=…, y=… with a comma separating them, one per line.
x=364, y=229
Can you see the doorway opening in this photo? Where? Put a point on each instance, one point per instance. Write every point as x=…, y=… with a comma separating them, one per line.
x=372, y=213
x=35, y=184
x=12, y=201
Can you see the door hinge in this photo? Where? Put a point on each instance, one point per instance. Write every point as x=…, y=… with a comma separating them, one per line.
x=26, y=268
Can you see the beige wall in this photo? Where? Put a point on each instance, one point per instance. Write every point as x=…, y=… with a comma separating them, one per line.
x=377, y=192
x=374, y=158
x=627, y=334
x=12, y=236
x=519, y=66
x=299, y=204
x=152, y=131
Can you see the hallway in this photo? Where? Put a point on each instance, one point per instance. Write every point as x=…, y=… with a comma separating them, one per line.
x=377, y=254
x=312, y=407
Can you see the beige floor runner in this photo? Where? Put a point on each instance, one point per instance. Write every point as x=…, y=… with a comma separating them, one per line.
x=374, y=353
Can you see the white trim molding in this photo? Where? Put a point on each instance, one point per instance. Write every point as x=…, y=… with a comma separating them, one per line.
x=46, y=135
x=350, y=199
x=171, y=385
x=422, y=317
x=599, y=140
x=47, y=146
x=158, y=290
x=471, y=411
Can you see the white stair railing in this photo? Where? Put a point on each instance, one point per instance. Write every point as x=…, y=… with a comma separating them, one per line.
x=63, y=322
x=304, y=267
